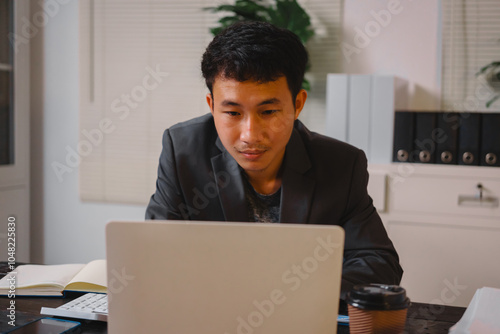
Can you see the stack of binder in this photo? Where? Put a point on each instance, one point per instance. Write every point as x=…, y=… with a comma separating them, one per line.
x=368, y=111
x=447, y=138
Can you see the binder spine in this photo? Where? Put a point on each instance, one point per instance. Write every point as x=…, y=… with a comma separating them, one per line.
x=447, y=138
x=425, y=143
x=490, y=140
x=404, y=128
x=358, y=130
x=383, y=99
x=469, y=139
x=337, y=106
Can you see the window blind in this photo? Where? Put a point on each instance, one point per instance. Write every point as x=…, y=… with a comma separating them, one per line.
x=471, y=40
x=140, y=74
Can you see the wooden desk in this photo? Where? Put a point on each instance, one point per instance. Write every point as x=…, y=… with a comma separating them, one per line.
x=28, y=309
x=422, y=318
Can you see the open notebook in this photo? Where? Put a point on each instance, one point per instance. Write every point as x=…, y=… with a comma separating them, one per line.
x=53, y=280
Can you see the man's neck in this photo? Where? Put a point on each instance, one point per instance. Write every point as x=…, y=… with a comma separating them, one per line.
x=265, y=184
x=265, y=187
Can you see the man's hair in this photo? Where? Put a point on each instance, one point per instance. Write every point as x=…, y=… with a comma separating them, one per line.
x=255, y=51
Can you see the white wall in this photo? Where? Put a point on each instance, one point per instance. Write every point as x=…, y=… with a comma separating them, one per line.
x=396, y=37
x=64, y=230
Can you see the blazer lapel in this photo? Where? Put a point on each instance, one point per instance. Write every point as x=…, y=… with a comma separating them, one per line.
x=297, y=183
x=230, y=184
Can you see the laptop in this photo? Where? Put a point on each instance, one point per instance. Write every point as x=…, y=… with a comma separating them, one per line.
x=223, y=278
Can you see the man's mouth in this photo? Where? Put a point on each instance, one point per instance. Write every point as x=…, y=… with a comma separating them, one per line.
x=252, y=154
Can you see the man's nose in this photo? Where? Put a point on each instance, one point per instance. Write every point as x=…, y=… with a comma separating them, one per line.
x=252, y=130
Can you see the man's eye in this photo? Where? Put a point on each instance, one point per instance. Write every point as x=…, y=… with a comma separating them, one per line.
x=232, y=113
x=270, y=112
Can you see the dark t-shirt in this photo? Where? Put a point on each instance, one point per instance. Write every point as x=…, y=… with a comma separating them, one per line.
x=262, y=208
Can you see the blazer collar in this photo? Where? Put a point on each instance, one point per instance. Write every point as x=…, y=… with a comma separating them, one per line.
x=229, y=181
x=298, y=183
x=296, y=190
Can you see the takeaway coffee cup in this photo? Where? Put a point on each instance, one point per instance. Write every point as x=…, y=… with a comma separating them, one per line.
x=377, y=308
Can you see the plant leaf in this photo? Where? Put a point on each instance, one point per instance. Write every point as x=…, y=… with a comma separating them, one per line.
x=490, y=102
x=245, y=9
x=286, y=14
x=485, y=68
x=306, y=84
x=295, y=19
x=228, y=20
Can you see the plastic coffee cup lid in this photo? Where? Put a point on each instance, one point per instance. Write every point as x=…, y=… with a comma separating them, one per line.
x=378, y=297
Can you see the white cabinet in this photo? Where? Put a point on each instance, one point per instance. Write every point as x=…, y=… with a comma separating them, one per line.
x=15, y=175
x=446, y=232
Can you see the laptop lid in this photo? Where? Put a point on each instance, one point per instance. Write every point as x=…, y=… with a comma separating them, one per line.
x=223, y=278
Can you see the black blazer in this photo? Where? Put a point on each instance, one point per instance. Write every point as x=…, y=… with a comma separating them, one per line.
x=324, y=182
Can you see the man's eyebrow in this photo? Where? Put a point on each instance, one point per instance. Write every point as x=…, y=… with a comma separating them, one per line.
x=229, y=103
x=269, y=101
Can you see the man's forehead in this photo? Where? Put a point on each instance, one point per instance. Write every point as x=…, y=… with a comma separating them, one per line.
x=222, y=76
x=220, y=79
x=231, y=91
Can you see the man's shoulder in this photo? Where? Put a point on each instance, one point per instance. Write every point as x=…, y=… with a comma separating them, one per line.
x=197, y=134
x=197, y=129
x=202, y=122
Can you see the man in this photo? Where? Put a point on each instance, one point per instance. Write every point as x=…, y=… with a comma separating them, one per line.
x=250, y=159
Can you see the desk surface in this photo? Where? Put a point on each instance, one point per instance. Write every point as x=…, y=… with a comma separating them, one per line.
x=422, y=318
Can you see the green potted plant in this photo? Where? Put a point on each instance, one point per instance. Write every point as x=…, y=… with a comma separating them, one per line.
x=286, y=14
x=492, y=76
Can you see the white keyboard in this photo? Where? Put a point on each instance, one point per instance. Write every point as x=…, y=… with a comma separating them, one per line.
x=90, y=306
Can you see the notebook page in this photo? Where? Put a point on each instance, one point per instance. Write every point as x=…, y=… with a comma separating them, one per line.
x=32, y=275
x=91, y=278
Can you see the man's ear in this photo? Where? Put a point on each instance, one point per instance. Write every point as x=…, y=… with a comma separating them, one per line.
x=300, y=100
x=210, y=102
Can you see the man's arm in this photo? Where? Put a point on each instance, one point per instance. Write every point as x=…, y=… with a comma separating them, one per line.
x=167, y=201
x=369, y=255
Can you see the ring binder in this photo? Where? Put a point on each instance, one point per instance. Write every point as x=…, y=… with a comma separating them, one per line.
x=425, y=142
x=469, y=139
x=446, y=142
x=403, y=136
x=490, y=140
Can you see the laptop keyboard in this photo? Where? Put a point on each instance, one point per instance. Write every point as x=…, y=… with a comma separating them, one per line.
x=90, y=306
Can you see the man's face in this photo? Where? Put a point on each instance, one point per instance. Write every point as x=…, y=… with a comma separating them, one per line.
x=254, y=121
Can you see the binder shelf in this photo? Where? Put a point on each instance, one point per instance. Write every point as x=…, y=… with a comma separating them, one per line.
x=447, y=138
